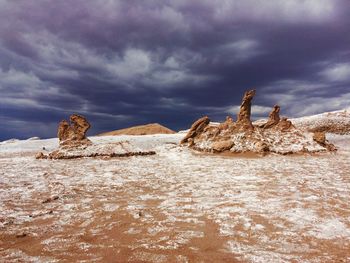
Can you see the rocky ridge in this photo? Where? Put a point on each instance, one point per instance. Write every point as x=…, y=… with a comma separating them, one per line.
x=276, y=135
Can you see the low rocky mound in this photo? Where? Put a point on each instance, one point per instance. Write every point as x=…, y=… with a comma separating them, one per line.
x=276, y=135
x=332, y=122
x=152, y=128
x=73, y=143
x=117, y=149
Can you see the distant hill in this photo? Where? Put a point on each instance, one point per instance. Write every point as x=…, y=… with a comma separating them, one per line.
x=152, y=128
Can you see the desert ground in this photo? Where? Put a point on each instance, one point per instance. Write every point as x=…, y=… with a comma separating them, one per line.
x=175, y=206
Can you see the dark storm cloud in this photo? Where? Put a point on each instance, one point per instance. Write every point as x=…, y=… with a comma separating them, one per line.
x=130, y=62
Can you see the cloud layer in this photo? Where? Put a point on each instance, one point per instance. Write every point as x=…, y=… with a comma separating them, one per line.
x=130, y=62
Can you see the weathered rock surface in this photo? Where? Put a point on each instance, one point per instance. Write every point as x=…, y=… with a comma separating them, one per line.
x=196, y=128
x=274, y=118
x=320, y=138
x=284, y=125
x=226, y=124
x=40, y=155
x=74, y=144
x=108, y=150
x=222, y=146
x=74, y=133
x=243, y=117
x=277, y=135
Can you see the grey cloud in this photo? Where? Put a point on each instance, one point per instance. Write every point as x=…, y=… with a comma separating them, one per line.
x=130, y=62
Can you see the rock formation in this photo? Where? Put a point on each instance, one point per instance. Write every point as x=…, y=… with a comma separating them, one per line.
x=73, y=133
x=277, y=135
x=320, y=138
x=284, y=125
x=274, y=118
x=243, y=117
x=196, y=128
x=227, y=123
x=74, y=144
x=221, y=146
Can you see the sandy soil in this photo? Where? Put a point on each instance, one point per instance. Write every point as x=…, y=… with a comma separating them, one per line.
x=175, y=206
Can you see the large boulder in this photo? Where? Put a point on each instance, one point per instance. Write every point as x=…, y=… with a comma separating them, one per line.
x=222, y=146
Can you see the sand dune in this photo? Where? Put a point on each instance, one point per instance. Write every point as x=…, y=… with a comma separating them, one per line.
x=147, y=129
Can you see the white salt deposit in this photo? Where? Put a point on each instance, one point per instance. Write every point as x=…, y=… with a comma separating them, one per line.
x=269, y=209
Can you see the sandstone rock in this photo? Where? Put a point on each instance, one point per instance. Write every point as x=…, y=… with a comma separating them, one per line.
x=73, y=133
x=80, y=126
x=196, y=128
x=221, y=146
x=277, y=135
x=227, y=123
x=261, y=147
x=40, y=155
x=74, y=144
x=190, y=142
x=211, y=131
x=274, y=118
x=284, y=125
x=320, y=137
x=243, y=117
x=64, y=131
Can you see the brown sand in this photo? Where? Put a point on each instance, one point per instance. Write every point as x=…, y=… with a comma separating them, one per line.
x=152, y=128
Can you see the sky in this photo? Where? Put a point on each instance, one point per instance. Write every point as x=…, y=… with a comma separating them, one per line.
x=124, y=63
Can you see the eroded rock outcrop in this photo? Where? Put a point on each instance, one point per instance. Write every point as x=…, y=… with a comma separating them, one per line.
x=227, y=124
x=221, y=146
x=320, y=138
x=196, y=128
x=274, y=118
x=73, y=134
x=277, y=135
x=73, y=143
x=243, y=117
